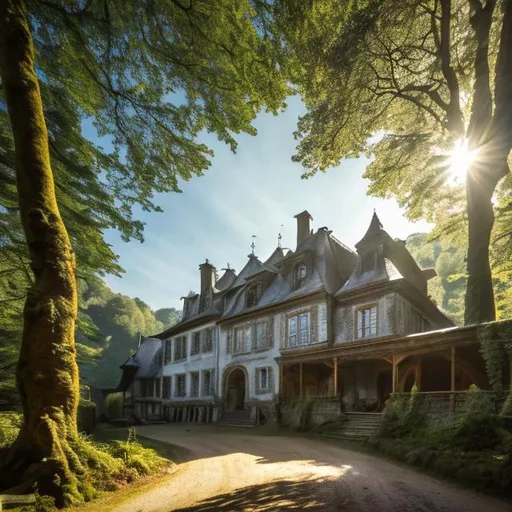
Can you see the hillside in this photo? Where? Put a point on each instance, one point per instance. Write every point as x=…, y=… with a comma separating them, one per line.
x=447, y=289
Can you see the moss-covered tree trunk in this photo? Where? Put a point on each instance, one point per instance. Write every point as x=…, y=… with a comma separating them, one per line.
x=47, y=373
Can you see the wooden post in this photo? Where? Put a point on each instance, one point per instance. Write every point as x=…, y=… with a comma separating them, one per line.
x=394, y=375
x=452, y=381
x=300, y=380
x=335, y=362
x=452, y=384
x=418, y=374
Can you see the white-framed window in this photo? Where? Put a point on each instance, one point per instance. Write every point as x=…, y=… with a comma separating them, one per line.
x=166, y=388
x=242, y=340
x=194, y=384
x=180, y=348
x=366, y=319
x=368, y=261
x=262, y=379
x=300, y=272
x=196, y=343
x=208, y=340
x=180, y=389
x=261, y=335
x=207, y=382
x=167, y=351
x=299, y=330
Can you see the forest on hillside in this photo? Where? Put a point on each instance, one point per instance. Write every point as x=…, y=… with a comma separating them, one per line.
x=107, y=332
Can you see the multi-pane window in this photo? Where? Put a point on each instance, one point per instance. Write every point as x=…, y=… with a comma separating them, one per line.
x=196, y=343
x=207, y=383
x=194, y=384
x=298, y=330
x=252, y=295
x=367, y=322
x=368, y=260
x=180, y=348
x=147, y=388
x=208, y=340
x=242, y=340
x=260, y=335
x=180, y=388
x=262, y=379
x=157, y=388
x=167, y=351
x=166, y=387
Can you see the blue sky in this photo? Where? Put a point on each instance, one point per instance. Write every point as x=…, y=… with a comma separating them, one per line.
x=252, y=192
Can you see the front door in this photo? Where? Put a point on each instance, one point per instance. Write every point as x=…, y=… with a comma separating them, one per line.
x=235, y=390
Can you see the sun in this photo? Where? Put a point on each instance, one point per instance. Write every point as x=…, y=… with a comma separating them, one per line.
x=460, y=159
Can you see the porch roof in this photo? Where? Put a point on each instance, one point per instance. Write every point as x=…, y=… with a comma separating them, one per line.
x=384, y=347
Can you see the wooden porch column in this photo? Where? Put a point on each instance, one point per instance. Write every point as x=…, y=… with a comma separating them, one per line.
x=393, y=377
x=300, y=380
x=335, y=362
x=452, y=372
x=418, y=374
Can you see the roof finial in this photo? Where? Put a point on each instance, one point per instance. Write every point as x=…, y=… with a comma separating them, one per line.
x=253, y=245
x=279, y=237
x=228, y=267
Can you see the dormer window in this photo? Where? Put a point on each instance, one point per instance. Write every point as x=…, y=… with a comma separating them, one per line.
x=252, y=295
x=299, y=277
x=186, y=307
x=368, y=261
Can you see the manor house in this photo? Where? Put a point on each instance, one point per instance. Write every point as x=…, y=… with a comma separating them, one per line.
x=320, y=322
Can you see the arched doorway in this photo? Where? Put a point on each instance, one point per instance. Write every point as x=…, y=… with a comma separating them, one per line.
x=235, y=390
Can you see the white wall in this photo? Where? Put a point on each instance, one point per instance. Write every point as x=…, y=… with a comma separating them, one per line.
x=193, y=363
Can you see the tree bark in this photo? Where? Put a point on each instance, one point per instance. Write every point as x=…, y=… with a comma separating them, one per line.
x=47, y=373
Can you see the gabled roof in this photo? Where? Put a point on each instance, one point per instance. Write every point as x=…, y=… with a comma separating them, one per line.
x=253, y=266
x=226, y=281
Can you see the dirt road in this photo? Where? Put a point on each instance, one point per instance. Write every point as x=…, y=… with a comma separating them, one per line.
x=237, y=471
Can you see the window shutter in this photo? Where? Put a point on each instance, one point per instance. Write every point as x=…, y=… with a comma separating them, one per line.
x=256, y=381
x=229, y=344
x=270, y=333
x=270, y=377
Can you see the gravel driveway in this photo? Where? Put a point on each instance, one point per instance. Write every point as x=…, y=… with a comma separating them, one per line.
x=235, y=471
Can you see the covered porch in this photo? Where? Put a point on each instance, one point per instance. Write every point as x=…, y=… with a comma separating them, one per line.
x=361, y=376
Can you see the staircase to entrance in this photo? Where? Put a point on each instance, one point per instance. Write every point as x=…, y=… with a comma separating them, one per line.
x=356, y=426
x=237, y=418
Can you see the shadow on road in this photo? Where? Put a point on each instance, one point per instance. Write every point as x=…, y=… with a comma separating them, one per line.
x=283, y=495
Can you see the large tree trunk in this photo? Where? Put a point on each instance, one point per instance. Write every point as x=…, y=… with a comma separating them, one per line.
x=479, y=301
x=47, y=373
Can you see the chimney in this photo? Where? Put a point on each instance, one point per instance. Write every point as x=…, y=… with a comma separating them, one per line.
x=208, y=280
x=303, y=226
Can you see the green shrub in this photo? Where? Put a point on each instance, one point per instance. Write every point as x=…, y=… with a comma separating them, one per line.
x=114, y=406
x=10, y=423
x=86, y=416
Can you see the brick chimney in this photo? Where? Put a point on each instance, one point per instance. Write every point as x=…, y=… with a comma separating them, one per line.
x=208, y=280
x=303, y=226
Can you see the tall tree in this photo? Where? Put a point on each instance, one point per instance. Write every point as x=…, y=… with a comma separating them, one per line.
x=151, y=76
x=431, y=76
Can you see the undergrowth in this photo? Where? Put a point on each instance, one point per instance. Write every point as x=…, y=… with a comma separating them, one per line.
x=475, y=449
x=108, y=465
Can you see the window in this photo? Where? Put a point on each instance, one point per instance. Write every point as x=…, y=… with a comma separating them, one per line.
x=180, y=348
x=252, y=295
x=196, y=343
x=262, y=379
x=298, y=330
x=242, y=340
x=207, y=382
x=260, y=335
x=144, y=388
x=194, y=384
x=368, y=261
x=157, y=388
x=299, y=276
x=367, y=322
x=166, y=387
x=167, y=351
x=181, y=385
x=208, y=340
